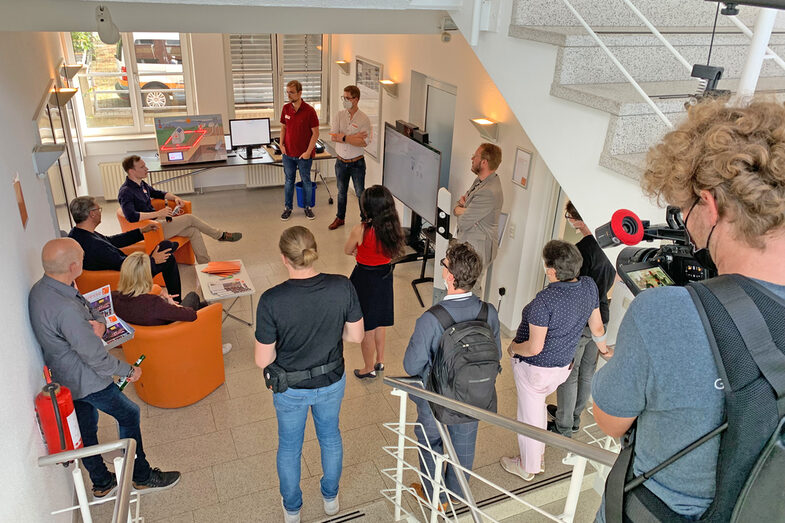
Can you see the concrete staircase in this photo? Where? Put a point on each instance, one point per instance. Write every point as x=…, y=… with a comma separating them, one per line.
x=585, y=75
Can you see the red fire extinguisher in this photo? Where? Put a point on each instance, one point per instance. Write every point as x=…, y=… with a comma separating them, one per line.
x=57, y=420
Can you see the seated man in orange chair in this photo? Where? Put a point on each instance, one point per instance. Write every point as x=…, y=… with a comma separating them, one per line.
x=103, y=252
x=135, y=197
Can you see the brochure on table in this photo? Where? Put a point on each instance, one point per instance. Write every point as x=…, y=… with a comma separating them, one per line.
x=117, y=331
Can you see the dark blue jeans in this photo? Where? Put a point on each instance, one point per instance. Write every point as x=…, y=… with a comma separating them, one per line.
x=463, y=437
x=113, y=402
x=290, y=166
x=344, y=171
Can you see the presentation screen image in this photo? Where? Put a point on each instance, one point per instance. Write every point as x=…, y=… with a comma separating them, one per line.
x=411, y=172
x=254, y=131
x=649, y=278
x=190, y=139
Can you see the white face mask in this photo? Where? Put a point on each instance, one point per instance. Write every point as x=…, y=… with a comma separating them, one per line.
x=545, y=268
x=347, y=104
x=446, y=286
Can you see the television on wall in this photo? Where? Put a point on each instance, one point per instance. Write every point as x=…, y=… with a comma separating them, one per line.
x=411, y=172
x=190, y=139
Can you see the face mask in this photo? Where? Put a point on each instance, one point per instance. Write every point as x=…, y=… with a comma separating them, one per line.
x=445, y=284
x=347, y=104
x=545, y=269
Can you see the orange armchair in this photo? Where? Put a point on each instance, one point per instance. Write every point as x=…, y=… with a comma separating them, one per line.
x=184, y=252
x=91, y=280
x=183, y=363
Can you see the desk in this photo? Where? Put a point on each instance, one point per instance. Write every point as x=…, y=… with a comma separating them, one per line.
x=210, y=297
x=328, y=154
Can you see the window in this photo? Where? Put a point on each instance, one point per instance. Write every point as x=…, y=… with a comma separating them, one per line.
x=125, y=86
x=260, y=66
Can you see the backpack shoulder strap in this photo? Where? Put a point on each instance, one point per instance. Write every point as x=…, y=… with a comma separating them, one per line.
x=483, y=316
x=444, y=318
x=754, y=331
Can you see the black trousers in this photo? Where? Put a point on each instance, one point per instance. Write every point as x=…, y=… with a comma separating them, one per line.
x=168, y=269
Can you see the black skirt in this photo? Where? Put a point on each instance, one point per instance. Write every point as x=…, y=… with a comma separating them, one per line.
x=374, y=285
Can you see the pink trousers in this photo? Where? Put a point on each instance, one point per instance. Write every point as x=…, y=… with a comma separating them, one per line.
x=534, y=384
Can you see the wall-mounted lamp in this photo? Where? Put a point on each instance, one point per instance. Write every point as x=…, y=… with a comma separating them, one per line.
x=344, y=65
x=68, y=71
x=44, y=156
x=59, y=96
x=488, y=129
x=390, y=86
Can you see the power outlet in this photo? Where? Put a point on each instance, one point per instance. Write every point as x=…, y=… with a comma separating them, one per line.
x=511, y=229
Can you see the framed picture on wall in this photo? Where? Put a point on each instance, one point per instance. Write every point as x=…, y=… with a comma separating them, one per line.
x=368, y=74
x=523, y=167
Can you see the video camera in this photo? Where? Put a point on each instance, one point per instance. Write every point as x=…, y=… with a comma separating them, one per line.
x=642, y=268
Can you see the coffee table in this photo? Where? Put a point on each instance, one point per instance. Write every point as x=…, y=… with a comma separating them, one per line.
x=239, y=285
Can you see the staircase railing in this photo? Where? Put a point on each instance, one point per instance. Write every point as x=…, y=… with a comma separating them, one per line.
x=601, y=455
x=124, y=469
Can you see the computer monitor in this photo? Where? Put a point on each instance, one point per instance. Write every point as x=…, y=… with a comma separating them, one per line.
x=249, y=133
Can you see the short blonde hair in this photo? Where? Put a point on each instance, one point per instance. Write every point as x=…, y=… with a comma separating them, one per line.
x=297, y=85
x=298, y=245
x=737, y=154
x=135, y=275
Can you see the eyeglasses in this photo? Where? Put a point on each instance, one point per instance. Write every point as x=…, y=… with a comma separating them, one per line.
x=568, y=216
x=441, y=262
x=95, y=209
x=687, y=231
x=346, y=99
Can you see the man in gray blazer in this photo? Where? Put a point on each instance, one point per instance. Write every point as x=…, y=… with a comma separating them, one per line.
x=478, y=210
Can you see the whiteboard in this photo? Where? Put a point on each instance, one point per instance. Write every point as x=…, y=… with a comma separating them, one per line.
x=411, y=172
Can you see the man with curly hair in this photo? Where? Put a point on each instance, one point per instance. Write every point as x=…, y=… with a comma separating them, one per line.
x=725, y=168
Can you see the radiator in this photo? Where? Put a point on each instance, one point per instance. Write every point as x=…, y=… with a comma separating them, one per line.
x=113, y=177
x=266, y=175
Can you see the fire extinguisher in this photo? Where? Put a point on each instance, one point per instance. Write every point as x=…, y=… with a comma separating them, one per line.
x=54, y=408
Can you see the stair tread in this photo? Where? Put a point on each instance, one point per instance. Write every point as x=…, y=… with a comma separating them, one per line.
x=669, y=95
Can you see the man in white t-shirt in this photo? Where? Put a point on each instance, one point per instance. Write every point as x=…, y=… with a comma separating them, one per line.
x=350, y=132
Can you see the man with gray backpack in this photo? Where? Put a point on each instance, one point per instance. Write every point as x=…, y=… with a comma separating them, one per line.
x=697, y=383
x=455, y=349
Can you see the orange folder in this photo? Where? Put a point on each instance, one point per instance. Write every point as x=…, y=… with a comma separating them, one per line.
x=222, y=268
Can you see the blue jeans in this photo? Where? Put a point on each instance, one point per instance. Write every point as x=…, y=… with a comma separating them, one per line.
x=463, y=436
x=344, y=171
x=291, y=409
x=113, y=402
x=290, y=166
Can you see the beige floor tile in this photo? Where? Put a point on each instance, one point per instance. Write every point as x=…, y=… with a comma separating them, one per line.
x=243, y=476
x=186, y=517
x=245, y=383
x=259, y=507
x=196, y=489
x=255, y=438
x=179, y=424
x=243, y=410
x=193, y=453
x=365, y=410
x=360, y=484
x=359, y=445
x=219, y=394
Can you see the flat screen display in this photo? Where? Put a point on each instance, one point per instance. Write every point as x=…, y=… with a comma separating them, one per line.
x=253, y=131
x=411, y=172
x=190, y=139
x=645, y=275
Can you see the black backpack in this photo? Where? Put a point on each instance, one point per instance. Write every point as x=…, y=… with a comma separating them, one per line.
x=465, y=365
x=745, y=324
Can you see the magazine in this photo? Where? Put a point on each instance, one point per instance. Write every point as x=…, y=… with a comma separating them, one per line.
x=117, y=331
x=229, y=288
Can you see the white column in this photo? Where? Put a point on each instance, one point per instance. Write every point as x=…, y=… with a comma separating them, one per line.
x=760, y=41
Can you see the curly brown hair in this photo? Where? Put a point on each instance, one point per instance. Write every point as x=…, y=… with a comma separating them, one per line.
x=737, y=154
x=465, y=264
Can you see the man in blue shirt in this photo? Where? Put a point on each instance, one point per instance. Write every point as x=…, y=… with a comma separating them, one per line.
x=460, y=269
x=135, y=197
x=723, y=168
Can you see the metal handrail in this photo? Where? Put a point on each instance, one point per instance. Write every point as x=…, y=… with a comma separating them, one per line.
x=128, y=446
x=658, y=34
x=748, y=32
x=602, y=456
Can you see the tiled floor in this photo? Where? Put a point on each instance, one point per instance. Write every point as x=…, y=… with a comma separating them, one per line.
x=225, y=444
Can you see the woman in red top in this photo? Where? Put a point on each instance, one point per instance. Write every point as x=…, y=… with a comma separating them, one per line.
x=373, y=243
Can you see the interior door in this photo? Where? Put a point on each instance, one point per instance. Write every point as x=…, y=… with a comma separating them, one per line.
x=439, y=122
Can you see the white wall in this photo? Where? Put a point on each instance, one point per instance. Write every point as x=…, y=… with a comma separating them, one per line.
x=517, y=267
x=27, y=492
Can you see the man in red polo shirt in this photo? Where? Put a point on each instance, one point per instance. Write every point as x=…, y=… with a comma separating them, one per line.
x=299, y=132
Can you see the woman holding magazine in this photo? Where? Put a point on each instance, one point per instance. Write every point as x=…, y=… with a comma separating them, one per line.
x=135, y=303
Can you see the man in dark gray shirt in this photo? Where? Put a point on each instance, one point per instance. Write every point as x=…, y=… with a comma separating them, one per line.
x=70, y=337
x=460, y=269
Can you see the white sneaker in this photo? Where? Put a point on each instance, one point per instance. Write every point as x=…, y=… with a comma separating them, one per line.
x=226, y=347
x=331, y=507
x=513, y=466
x=288, y=517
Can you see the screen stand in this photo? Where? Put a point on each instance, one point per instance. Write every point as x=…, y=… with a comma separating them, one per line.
x=248, y=153
x=422, y=250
